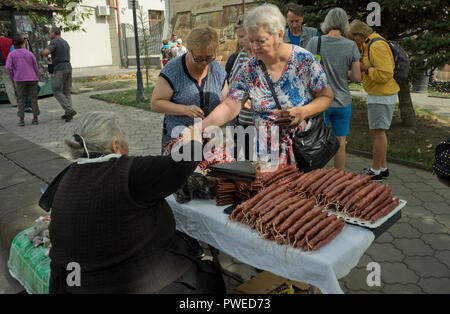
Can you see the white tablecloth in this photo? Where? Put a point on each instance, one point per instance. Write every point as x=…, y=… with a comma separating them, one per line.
x=207, y=222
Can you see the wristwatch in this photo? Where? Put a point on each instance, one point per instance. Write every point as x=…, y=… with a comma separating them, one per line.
x=367, y=71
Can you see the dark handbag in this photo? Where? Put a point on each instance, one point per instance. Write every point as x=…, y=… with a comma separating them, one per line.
x=239, y=171
x=313, y=147
x=441, y=164
x=51, y=68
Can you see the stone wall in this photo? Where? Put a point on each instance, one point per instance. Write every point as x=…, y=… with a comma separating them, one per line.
x=221, y=15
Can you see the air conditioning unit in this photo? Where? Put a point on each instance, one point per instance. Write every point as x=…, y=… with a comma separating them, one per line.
x=102, y=10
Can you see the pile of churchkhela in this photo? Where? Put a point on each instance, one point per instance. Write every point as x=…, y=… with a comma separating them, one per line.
x=298, y=209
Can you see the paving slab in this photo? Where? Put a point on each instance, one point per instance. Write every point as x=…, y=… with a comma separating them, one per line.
x=19, y=195
x=398, y=273
x=12, y=143
x=404, y=230
x=8, y=285
x=439, y=242
x=435, y=285
x=413, y=247
x=436, y=184
x=11, y=174
x=48, y=170
x=419, y=187
x=444, y=220
x=428, y=196
x=385, y=237
x=438, y=208
x=444, y=257
x=417, y=212
x=28, y=157
x=403, y=289
x=385, y=252
x=427, y=266
x=427, y=225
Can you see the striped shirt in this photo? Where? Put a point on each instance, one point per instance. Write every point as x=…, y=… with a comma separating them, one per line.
x=245, y=117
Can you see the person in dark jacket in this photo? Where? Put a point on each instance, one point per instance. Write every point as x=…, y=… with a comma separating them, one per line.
x=110, y=217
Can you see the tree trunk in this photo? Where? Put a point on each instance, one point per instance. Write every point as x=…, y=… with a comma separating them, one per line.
x=407, y=113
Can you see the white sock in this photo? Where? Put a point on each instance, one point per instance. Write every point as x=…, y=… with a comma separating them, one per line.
x=383, y=169
x=377, y=172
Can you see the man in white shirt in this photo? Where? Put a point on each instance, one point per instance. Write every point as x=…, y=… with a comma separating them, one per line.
x=173, y=44
x=180, y=49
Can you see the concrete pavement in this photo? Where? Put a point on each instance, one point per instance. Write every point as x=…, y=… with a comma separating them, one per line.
x=414, y=254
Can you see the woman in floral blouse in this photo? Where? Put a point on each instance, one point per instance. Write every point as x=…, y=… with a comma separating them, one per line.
x=297, y=76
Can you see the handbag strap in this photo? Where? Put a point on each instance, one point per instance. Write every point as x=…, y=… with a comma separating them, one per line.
x=319, y=43
x=207, y=92
x=272, y=89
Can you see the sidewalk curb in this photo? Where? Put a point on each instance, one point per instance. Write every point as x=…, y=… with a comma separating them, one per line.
x=402, y=162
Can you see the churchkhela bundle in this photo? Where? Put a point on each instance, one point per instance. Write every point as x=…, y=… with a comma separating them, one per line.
x=294, y=208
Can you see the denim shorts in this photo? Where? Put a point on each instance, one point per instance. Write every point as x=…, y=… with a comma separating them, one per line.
x=339, y=118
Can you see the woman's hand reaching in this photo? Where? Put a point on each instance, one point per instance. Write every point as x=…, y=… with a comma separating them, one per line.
x=194, y=112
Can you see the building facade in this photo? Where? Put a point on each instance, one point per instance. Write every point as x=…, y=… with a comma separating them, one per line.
x=183, y=15
x=101, y=43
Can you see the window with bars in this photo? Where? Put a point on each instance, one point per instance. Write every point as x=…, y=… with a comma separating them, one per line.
x=154, y=18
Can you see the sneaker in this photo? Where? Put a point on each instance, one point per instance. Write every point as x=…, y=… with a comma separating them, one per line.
x=197, y=253
x=21, y=122
x=68, y=118
x=35, y=121
x=196, y=250
x=28, y=110
x=385, y=173
x=375, y=177
x=64, y=116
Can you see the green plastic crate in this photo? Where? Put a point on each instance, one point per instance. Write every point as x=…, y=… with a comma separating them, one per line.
x=29, y=264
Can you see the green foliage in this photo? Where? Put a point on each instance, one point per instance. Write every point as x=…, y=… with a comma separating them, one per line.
x=144, y=40
x=127, y=98
x=70, y=18
x=420, y=26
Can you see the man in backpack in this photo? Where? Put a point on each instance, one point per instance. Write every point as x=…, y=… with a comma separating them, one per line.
x=382, y=89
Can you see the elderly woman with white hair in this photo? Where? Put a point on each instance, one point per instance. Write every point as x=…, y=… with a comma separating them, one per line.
x=340, y=59
x=297, y=77
x=108, y=215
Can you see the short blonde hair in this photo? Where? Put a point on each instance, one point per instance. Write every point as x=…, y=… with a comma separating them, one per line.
x=267, y=16
x=202, y=37
x=360, y=28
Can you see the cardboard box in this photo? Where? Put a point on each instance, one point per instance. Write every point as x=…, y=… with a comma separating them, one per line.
x=267, y=283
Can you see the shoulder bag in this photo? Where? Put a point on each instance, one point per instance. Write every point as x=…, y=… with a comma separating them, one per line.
x=313, y=147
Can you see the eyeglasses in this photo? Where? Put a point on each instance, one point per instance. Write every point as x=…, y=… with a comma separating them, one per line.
x=199, y=60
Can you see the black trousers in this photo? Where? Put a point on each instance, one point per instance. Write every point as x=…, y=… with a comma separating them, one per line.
x=202, y=278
